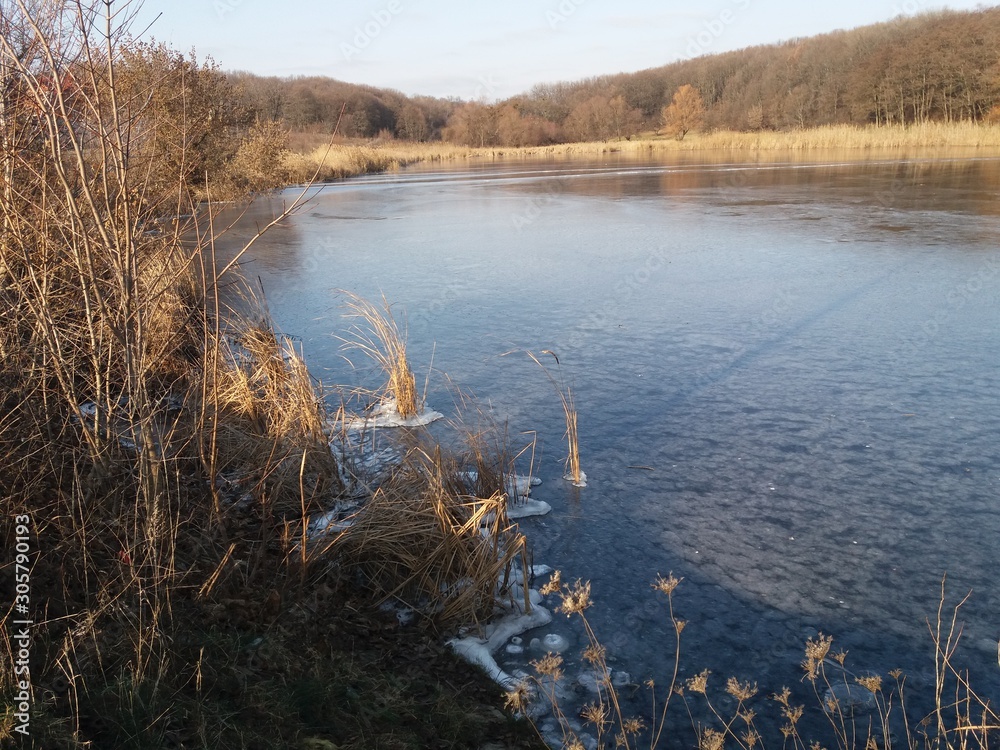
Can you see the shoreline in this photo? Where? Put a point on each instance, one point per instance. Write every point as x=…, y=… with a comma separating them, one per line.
x=346, y=160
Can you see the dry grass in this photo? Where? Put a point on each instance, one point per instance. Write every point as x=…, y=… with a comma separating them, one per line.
x=423, y=541
x=852, y=142
x=337, y=161
x=574, y=473
x=166, y=450
x=376, y=335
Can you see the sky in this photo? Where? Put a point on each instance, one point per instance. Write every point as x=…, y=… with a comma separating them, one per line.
x=489, y=50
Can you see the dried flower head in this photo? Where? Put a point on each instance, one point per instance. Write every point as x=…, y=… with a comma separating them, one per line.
x=595, y=713
x=817, y=648
x=633, y=726
x=679, y=626
x=840, y=657
x=595, y=654
x=747, y=716
x=666, y=585
x=518, y=698
x=751, y=738
x=549, y=666
x=792, y=713
x=783, y=696
x=896, y=674
x=575, y=600
x=739, y=690
x=699, y=682
x=811, y=668
x=871, y=683
x=554, y=584
x=711, y=739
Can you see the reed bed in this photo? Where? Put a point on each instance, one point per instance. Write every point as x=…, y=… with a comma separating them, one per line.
x=851, y=142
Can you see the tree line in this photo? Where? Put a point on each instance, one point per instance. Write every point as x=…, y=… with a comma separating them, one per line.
x=227, y=132
x=938, y=66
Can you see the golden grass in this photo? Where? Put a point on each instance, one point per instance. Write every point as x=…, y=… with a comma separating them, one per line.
x=856, y=141
x=574, y=473
x=166, y=451
x=376, y=335
x=422, y=541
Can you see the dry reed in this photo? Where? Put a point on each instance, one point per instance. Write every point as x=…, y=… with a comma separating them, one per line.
x=574, y=473
x=852, y=142
x=423, y=541
x=862, y=711
x=376, y=335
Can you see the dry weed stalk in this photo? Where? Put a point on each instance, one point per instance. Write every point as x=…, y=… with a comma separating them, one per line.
x=376, y=335
x=574, y=473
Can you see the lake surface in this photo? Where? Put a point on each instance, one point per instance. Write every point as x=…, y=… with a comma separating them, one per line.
x=803, y=359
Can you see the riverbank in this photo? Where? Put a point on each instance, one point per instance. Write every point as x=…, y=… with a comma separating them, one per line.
x=343, y=160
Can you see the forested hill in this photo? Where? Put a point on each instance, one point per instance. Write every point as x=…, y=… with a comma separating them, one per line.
x=942, y=66
x=936, y=66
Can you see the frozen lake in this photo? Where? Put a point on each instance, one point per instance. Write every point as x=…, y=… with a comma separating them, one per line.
x=803, y=358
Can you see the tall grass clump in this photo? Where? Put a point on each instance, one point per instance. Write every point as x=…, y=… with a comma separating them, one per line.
x=425, y=541
x=375, y=334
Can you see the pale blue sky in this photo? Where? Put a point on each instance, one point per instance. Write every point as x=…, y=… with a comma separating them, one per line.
x=490, y=50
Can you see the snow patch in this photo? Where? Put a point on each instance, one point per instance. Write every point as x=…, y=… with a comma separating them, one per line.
x=480, y=650
x=386, y=414
x=525, y=508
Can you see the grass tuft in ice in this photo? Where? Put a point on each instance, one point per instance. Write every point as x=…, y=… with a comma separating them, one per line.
x=574, y=473
x=375, y=334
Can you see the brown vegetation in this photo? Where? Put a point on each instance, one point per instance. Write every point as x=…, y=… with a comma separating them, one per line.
x=162, y=452
x=684, y=113
x=933, y=67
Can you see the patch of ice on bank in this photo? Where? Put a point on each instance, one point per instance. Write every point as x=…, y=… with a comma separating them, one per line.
x=581, y=482
x=517, y=573
x=480, y=650
x=386, y=414
x=516, y=485
x=525, y=508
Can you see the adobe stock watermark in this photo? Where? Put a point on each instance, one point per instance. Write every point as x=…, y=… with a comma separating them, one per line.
x=562, y=12
x=21, y=627
x=224, y=7
x=621, y=293
x=486, y=88
x=957, y=297
x=909, y=8
x=366, y=33
x=538, y=203
x=701, y=43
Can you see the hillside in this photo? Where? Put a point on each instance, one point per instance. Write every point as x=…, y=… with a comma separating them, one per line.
x=940, y=66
